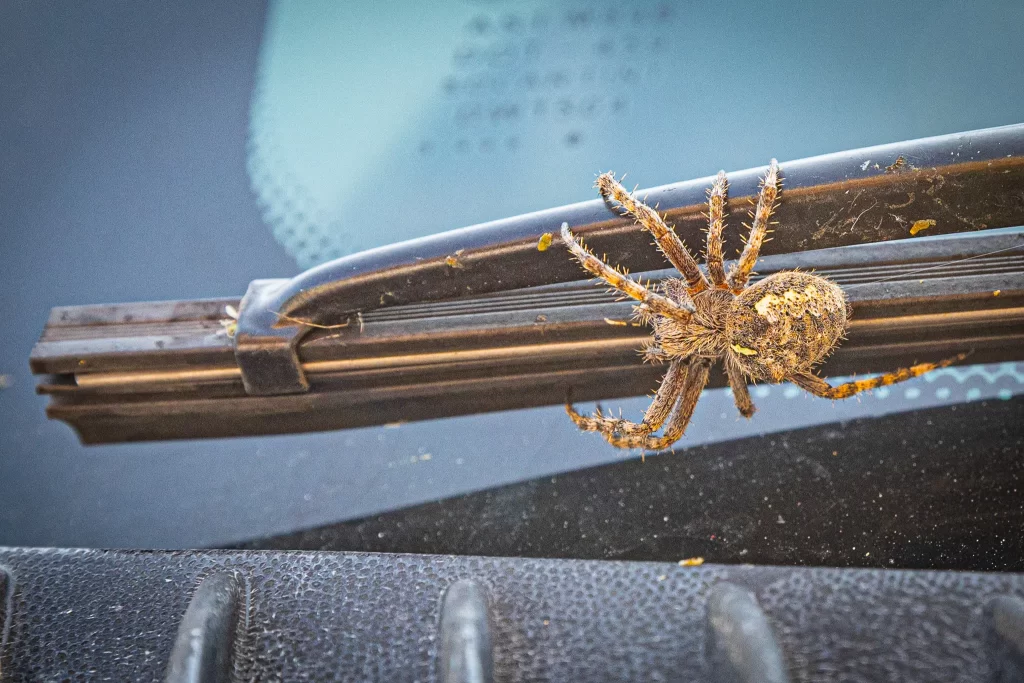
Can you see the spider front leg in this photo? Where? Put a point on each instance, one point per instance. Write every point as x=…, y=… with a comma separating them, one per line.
x=657, y=412
x=740, y=273
x=716, y=224
x=654, y=301
x=693, y=384
x=667, y=239
x=819, y=387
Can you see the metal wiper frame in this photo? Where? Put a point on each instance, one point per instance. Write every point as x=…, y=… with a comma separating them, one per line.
x=482, y=319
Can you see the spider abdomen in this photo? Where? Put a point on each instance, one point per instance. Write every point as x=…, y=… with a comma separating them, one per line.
x=785, y=323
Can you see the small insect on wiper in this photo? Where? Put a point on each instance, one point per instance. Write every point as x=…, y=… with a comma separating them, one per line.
x=773, y=331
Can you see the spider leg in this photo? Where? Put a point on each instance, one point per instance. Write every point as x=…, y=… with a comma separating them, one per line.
x=819, y=387
x=657, y=412
x=716, y=224
x=738, y=384
x=696, y=377
x=740, y=273
x=667, y=239
x=654, y=301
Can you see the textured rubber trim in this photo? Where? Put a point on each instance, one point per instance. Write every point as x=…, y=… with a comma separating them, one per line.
x=362, y=617
x=6, y=614
x=466, y=655
x=207, y=633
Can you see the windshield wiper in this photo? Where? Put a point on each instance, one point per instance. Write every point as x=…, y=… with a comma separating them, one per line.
x=483, y=318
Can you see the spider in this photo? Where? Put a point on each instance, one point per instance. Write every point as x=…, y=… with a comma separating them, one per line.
x=775, y=330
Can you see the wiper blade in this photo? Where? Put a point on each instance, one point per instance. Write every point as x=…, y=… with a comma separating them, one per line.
x=952, y=183
x=481, y=319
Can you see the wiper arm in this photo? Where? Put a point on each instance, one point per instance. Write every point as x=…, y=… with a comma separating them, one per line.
x=482, y=319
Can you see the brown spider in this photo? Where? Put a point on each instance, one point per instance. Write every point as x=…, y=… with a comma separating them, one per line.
x=775, y=330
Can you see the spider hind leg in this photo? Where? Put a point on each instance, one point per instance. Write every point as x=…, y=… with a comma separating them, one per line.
x=738, y=384
x=657, y=412
x=692, y=385
x=819, y=387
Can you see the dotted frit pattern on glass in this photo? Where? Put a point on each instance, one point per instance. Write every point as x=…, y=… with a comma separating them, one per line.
x=371, y=127
x=306, y=232
x=512, y=81
x=574, y=70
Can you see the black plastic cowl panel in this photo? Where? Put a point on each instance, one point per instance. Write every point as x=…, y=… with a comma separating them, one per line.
x=106, y=615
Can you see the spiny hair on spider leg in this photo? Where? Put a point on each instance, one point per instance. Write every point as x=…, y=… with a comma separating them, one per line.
x=642, y=315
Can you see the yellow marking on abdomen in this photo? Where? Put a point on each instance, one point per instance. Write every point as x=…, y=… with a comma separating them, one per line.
x=807, y=301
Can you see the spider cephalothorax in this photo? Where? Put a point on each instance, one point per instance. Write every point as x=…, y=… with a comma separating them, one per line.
x=775, y=330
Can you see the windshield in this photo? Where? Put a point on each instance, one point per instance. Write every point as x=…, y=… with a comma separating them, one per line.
x=160, y=153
